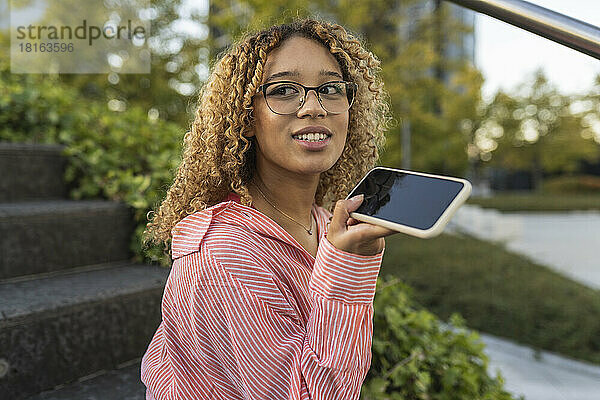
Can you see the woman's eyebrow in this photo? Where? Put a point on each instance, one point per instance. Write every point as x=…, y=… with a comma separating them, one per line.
x=282, y=73
x=331, y=73
x=297, y=74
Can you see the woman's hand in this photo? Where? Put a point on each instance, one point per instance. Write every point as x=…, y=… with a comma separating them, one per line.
x=353, y=236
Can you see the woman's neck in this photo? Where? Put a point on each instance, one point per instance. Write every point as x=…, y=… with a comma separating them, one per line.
x=278, y=194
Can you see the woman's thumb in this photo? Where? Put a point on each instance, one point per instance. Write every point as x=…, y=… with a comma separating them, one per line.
x=342, y=211
x=354, y=202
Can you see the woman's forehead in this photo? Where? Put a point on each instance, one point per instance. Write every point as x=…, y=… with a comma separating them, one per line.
x=299, y=57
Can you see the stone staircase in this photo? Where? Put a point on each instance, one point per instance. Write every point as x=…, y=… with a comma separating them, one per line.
x=75, y=314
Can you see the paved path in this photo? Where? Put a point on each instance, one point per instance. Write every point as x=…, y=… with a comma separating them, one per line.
x=546, y=377
x=568, y=243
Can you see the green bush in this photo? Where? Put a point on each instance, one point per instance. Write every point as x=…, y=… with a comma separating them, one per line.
x=416, y=356
x=572, y=184
x=119, y=156
x=34, y=110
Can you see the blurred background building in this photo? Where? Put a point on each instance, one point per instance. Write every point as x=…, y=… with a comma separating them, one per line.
x=464, y=48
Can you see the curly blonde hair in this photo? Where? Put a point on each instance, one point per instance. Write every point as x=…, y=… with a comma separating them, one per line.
x=218, y=158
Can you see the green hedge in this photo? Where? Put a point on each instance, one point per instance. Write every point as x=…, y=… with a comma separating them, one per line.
x=120, y=156
x=572, y=184
x=416, y=356
x=539, y=201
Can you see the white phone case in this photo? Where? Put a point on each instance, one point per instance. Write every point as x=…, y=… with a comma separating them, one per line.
x=439, y=225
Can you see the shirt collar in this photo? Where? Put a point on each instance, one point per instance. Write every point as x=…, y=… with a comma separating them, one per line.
x=188, y=233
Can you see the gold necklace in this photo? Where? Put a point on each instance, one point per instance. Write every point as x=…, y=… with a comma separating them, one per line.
x=309, y=231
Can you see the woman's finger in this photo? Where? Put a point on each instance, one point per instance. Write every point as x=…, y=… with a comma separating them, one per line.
x=372, y=231
x=342, y=211
x=352, y=221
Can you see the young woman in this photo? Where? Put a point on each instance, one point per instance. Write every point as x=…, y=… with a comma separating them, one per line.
x=270, y=295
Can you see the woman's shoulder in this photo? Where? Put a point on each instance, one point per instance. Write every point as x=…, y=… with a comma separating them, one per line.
x=223, y=231
x=187, y=234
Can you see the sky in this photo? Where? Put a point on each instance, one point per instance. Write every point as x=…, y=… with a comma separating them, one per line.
x=507, y=55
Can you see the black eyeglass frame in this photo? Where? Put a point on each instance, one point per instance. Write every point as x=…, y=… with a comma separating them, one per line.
x=350, y=86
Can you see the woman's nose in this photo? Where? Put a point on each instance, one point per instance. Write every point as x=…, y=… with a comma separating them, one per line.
x=311, y=106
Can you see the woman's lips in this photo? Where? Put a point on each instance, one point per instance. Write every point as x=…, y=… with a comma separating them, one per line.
x=313, y=145
x=312, y=131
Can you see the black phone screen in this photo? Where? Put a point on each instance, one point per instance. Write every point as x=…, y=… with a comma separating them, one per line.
x=407, y=199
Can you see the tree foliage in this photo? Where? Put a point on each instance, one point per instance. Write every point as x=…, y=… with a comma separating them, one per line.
x=538, y=129
x=179, y=60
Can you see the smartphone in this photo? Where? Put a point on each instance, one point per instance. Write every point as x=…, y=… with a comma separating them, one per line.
x=411, y=202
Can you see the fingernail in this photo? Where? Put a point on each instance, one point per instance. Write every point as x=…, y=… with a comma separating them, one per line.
x=357, y=197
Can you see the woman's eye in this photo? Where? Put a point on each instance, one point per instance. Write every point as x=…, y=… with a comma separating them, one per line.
x=332, y=89
x=284, y=90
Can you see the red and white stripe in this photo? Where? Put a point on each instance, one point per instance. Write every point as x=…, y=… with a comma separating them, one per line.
x=248, y=313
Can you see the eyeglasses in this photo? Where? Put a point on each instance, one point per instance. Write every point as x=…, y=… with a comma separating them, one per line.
x=286, y=97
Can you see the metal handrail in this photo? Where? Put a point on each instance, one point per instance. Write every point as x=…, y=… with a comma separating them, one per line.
x=552, y=25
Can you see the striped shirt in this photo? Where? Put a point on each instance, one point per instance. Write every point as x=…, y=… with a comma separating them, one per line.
x=248, y=313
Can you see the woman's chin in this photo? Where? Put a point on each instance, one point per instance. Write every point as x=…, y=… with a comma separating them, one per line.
x=315, y=169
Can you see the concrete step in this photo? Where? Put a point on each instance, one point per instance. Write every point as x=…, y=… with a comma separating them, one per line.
x=46, y=236
x=57, y=329
x=123, y=384
x=31, y=171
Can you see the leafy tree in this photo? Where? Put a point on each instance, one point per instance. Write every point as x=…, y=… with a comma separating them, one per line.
x=179, y=60
x=435, y=93
x=588, y=108
x=535, y=130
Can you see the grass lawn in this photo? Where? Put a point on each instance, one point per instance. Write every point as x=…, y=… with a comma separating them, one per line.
x=498, y=292
x=538, y=201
